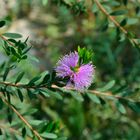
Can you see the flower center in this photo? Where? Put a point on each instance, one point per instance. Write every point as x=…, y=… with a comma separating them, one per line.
x=75, y=69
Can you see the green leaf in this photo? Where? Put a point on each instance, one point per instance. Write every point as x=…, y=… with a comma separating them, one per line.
x=85, y=55
x=6, y=73
x=24, y=57
x=104, y=27
x=49, y=127
x=20, y=95
x=49, y=135
x=135, y=106
x=54, y=94
x=76, y=95
x=8, y=94
x=108, y=86
x=62, y=138
x=44, y=92
x=12, y=35
x=26, y=50
x=94, y=98
x=35, y=122
x=46, y=78
x=2, y=23
x=1, y=104
x=119, y=12
x=12, y=40
x=33, y=58
x=120, y=107
x=19, y=77
x=9, y=115
x=30, y=94
x=31, y=111
x=32, y=82
x=123, y=22
x=95, y=8
x=23, y=132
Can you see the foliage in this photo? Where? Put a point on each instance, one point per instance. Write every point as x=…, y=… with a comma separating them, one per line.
x=37, y=105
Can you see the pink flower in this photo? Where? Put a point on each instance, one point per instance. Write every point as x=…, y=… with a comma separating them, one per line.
x=80, y=76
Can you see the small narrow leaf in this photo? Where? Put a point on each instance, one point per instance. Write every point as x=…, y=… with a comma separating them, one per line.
x=94, y=98
x=120, y=107
x=119, y=12
x=19, y=77
x=8, y=96
x=104, y=26
x=23, y=132
x=49, y=135
x=32, y=82
x=12, y=35
x=9, y=115
x=62, y=138
x=44, y=92
x=6, y=73
x=135, y=106
x=54, y=94
x=2, y=23
x=26, y=50
x=76, y=95
x=1, y=104
x=20, y=95
x=108, y=86
x=30, y=94
x=33, y=58
x=123, y=22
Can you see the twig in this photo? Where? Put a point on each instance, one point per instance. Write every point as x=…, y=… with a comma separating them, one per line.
x=98, y=93
x=3, y=38
x=114, y=21
x=23, y=119
x=11, y=84
x=12, y=130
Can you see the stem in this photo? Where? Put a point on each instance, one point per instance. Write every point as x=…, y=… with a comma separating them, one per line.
x=3, y=38
x=98, y=93
x=12, y=130
x=23, y=119
x=109, y=94
x=11, y=84
x=114, y=21
x=110, y=17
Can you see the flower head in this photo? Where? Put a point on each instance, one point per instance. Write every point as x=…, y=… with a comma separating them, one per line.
x=80, y=76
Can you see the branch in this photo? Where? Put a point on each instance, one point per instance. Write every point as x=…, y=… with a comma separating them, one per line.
x=12, y=130
x=98, y=93
x=3, y=38
x=114, y=21
x=13, y=85
x=22, y=119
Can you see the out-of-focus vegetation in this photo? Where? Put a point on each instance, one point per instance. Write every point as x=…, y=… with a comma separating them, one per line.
x=109, y=28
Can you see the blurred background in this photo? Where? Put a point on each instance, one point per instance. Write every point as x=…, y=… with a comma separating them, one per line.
x=56, y=27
